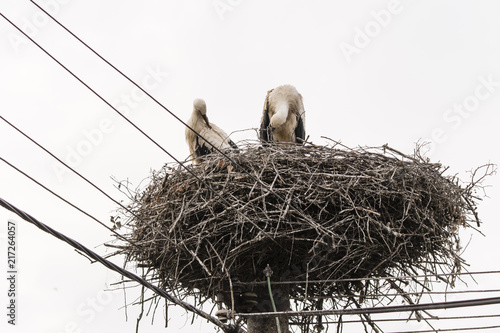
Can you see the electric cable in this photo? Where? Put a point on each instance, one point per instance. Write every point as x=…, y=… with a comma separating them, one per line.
x=100, y=97
x=110, y=265
x=130, y=122
x=63, y=199
x=382, y=320
x=459, y=329
x=365, y=279
x=130, y=80
x=384, y=309
x=452, y=304
x=267, y=186
x=67, y=166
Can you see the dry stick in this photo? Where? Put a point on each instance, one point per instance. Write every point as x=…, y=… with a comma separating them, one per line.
x=139, y=317
x=109, y=264
x=150, y=96
x=379, y=178
x=70, y=168
x=378, y=310
x=117, y=111
x=229, y=279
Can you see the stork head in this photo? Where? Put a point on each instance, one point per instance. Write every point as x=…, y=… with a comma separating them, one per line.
x=200, y=107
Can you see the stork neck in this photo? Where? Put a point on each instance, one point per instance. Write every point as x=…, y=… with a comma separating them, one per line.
x=281, y=113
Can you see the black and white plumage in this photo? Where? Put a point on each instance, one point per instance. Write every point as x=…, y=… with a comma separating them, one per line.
x=283, y=118
x=207, y=131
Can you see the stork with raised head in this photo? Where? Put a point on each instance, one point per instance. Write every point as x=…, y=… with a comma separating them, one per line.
x=201, y=131
x=283, y=119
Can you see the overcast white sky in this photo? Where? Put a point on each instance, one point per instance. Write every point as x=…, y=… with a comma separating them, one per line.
x=371, y=72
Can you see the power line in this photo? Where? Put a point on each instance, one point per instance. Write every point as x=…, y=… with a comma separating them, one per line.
x=118, y=111
x=268, y=187
x=135, y=126
x=131, y=81
x=446, y=292
x=100, y=97
x=404, y=277
x=384, y=309
x=227, y=328
x=479, y=321
x=67, y=166
x=382, y=320
x=114, y=267
x=63, y=199
x=376, y=296
x=461, y=329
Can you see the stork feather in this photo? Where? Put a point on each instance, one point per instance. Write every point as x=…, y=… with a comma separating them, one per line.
x=204, y=135
x=283, y=117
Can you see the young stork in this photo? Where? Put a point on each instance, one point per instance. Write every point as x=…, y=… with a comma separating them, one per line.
x=207, y=131
x=283, y=119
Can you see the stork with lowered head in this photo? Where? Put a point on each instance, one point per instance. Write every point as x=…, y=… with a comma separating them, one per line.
x=201, y=131
x=283, y=118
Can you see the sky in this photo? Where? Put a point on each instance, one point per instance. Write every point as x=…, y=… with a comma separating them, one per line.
x=371, y=73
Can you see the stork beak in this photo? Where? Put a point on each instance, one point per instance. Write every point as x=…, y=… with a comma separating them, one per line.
x=206, y=121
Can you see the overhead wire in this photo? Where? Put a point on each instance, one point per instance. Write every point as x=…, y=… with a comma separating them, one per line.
x=481, y=321
x=267, y=186
x=383, y=320
x=131, y=123
x=403, y=277
x=460, y=329
x=382, y=309
x=99, y=96
x=134, y=124
x=110, y=265
x=69, y=167
x=64, y=200
x=91, y=254
x=79, y=246
x=478, y=319
x=376, y=296
x=130, y=80
x=119, y=113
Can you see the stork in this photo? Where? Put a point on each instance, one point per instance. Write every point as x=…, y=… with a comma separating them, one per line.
x=283, y=119
x=202, y=131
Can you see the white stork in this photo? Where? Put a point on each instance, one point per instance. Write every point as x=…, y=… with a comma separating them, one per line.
x=283, y=119
x=204, y=131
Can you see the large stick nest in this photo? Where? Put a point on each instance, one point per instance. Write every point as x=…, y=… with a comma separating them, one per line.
x=310, y=212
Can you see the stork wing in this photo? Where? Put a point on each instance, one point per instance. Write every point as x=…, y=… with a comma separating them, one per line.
x=300, y=130
x=201, y=147
x=219, y=138
x=216, y=137
x=232, y=144
x=265, y=133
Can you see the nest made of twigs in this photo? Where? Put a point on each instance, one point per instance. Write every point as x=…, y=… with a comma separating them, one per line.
x=310, y=212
